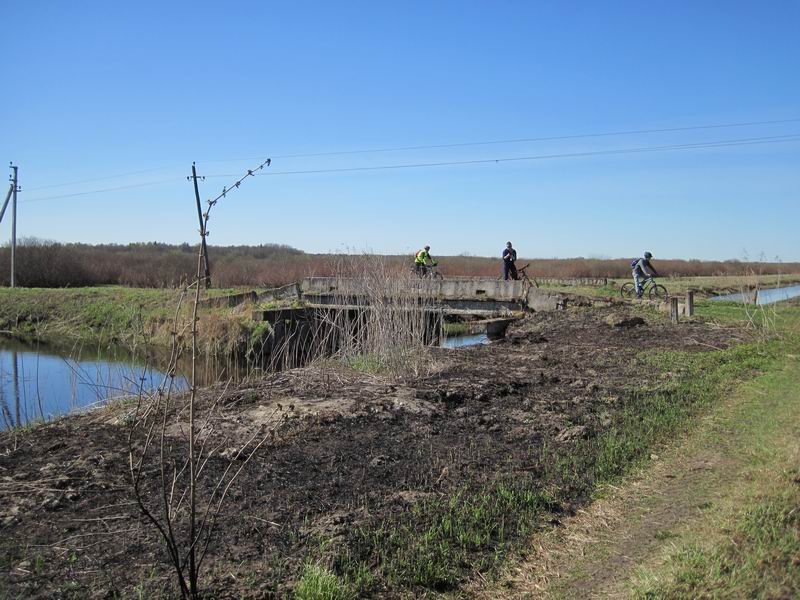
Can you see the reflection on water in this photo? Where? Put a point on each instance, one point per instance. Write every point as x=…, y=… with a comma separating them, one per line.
x=767, y=296
x=459, y=341
x=39, y=383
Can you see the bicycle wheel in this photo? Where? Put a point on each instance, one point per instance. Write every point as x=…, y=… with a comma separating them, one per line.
x=436, y=276
x=658, y=292
x=628, y=290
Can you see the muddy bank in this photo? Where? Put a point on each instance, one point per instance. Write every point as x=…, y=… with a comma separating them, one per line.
x=352, y=451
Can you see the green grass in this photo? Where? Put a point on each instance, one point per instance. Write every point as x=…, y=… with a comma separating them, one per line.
x=458, y=328
x=108, y=315
x=319, y=583
x=96, y=313
x=437, y=539
x=367, y=363
x=259, y=333
x=759, y=559
x=749, y=548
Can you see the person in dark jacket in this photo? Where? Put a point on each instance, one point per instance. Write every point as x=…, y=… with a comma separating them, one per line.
x=642, y=269
x=509, y=258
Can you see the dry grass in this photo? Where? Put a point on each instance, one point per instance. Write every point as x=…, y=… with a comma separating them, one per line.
x=51, y=264
x=394, y=321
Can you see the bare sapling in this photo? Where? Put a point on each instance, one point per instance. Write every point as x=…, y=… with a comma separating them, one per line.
x=173, y=442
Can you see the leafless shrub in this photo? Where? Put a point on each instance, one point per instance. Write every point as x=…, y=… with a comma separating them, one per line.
x=172, y=444
x=379, y=318
x=389, y=317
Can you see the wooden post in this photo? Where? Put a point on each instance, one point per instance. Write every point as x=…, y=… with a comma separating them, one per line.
x=690, y=303
x=673, y=309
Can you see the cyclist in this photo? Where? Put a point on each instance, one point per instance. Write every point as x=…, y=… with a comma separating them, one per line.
x=421, y=259
x=642, y=269
x=509, y=257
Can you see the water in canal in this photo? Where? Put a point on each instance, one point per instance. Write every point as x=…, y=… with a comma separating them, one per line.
x=764, y=296
x=39, y=383
x=459, y=341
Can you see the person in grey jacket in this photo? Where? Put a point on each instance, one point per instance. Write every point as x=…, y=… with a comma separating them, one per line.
x=642, y=269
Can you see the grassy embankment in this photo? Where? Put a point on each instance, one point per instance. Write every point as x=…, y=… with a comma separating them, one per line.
x=444, y=541
x=130, y=317
x=749, y=545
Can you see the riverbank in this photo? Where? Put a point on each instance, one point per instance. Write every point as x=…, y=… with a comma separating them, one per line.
x=130, y=317
x=379, y=487
x=133, y=317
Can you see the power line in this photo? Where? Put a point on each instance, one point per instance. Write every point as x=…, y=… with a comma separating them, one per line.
x=717, y=144
x=55, y=185
x=521, y=140
x=111, y=189
x=699, y=145
x=440, y=146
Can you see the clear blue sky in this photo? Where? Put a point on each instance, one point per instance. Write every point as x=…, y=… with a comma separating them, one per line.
x=100, y=89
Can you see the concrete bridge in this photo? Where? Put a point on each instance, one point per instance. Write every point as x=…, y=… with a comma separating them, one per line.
x=468, y=294
x=314, y=316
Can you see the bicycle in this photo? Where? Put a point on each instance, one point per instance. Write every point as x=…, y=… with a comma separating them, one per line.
x=428, y=272
x=522, y=275
x=654, y=290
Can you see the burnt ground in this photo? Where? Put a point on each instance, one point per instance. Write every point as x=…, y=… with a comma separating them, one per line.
x=348, y=450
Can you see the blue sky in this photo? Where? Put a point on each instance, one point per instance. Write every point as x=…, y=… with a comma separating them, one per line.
x=126, y=95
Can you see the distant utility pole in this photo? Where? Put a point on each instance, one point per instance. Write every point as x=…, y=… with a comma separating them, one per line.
x=202, y=227
x=12, y=194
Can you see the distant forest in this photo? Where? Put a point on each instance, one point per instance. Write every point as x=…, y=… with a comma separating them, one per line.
x=43, y=263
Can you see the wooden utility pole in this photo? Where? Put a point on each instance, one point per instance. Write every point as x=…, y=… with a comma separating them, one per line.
x=202, y=227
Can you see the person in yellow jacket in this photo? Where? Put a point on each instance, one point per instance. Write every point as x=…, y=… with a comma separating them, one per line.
x=421, y=259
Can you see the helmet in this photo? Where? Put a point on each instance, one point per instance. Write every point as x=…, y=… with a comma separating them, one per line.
x=647, y=255
x=427, y=247
x=508, y=244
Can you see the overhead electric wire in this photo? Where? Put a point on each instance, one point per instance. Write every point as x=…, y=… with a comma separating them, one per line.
x=792, y=137
x=112, y=189
x=55, y=185
x=700, y=145
x=451, y=145
x=520, y=140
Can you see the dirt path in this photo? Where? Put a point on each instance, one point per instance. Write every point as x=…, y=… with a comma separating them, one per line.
x=605, y=549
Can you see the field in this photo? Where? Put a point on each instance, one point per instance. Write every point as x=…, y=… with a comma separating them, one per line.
x=377, y=487
x=51, y=264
